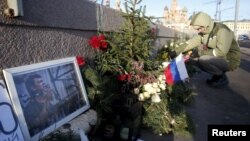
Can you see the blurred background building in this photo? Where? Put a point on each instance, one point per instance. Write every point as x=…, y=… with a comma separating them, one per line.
x=175, y=16
x=243, y=26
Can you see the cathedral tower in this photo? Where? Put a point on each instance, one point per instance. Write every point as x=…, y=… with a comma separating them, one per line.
x=175, y=15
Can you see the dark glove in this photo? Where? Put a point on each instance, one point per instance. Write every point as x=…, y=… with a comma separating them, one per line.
x=172, y=54
x=195, y=53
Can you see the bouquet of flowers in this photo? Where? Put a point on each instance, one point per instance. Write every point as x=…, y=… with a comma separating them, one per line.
x=124, y=66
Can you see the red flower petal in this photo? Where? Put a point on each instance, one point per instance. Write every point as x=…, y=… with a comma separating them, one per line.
x=129, y=76
x=101, y=37
x=95, y=42
x=122, y=77
x=80, y=61
x=103, y=42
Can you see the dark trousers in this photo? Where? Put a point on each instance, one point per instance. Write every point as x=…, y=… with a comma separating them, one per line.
x=211, y=64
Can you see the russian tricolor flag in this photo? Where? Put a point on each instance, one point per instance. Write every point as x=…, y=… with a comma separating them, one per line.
x=176, y=70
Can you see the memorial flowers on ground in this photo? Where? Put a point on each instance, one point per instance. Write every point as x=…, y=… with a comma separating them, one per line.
x=124, y=67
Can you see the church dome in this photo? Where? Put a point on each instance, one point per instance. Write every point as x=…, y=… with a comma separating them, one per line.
x=184, y=9
x=166, y=8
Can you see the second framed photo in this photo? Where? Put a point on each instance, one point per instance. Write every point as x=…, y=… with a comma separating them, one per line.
x=46, y=95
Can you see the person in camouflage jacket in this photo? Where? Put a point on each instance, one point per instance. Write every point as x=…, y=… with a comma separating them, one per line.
x=217, y=50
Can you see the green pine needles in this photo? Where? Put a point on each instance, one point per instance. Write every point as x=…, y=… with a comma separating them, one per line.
x=132, y=43
x=128, y=56
x=124, y=66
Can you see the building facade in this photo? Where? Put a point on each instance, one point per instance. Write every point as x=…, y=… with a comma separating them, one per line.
x=175, y=17
x=243, y=27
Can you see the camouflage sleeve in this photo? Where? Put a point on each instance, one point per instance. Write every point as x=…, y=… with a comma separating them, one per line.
x=180, y=48
x=205, y=52
x=192, y=43
x=224, y=41
x=188, y=45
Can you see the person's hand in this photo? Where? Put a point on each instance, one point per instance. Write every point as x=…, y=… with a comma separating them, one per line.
x=194, y=53
x=186, y=57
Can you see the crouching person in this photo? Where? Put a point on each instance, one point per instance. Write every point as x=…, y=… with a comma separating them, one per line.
x=214, y=50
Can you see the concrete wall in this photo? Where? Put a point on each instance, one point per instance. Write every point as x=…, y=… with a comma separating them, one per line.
x=55, y=29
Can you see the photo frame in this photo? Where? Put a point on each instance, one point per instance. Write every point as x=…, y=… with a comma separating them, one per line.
x=46, y=95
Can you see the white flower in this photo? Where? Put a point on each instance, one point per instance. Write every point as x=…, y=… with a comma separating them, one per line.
x=165, y=64
x=171, y=44
x=158, y=90
x=162, y=82
x=136, y=91
x=163, y=86
x=146, y=94
x=156, y=98
x=161, y=78
x=147, y=86
x=141, y=97
x=166, y=46
x=155, y=85
x=153, y=90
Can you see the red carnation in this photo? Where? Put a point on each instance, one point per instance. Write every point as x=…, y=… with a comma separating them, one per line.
x=95, y=42
x=129, y=76
x=80, y=61
x=101, y=37
x=98, y=42
x=103, y=42
x=122, y=77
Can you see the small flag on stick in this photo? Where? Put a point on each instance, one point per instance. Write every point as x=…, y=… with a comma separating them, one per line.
x=176, y=70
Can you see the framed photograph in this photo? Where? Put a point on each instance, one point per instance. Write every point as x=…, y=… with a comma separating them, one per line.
x=46, y=95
